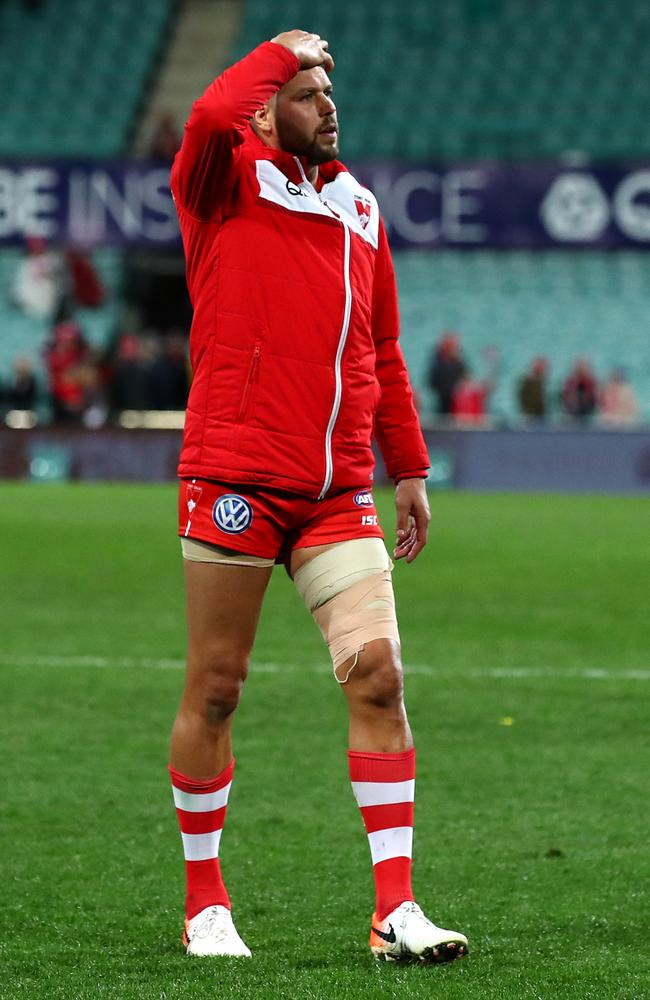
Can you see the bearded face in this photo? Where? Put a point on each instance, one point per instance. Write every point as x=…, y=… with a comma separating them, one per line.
x=304, y=117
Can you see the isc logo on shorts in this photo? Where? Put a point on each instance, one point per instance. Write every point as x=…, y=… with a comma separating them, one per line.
x=232, y=514
x=364, y=499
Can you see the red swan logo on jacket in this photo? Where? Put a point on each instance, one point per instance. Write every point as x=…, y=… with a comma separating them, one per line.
x=363, y=209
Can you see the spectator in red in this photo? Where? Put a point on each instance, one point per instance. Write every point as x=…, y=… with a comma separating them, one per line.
x=447, y=368
x=68, y=360
x=469, y=401
x=85, y=286
x=580, y=391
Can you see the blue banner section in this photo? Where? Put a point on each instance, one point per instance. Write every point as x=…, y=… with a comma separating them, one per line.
x=128, y=203
x=90, y=204
x=513, y=205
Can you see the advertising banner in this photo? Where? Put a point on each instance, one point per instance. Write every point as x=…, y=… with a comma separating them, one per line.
x=128, y=204
x=121, y=203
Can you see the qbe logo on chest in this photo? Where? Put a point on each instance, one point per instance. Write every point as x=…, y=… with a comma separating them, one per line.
x=232, y=514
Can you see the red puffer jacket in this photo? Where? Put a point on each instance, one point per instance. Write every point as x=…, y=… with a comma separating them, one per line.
x=294, y=339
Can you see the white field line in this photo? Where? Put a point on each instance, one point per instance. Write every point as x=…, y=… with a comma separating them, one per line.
x=496, y=673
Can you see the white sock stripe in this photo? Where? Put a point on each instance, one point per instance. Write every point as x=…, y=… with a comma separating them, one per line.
x=201, y=846
x=395, y=842
x=383, y=793
x=202, y=801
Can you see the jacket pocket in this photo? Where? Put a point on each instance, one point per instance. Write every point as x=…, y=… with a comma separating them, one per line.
x=252, y=378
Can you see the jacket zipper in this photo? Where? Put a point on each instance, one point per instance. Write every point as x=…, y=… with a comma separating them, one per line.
x=250, y=379
x=343, y=336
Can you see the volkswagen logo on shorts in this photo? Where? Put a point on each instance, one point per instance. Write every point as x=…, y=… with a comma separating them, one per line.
x=364, y=499
x=232, y=514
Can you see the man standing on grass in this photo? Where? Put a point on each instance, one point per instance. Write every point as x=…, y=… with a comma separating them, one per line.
x=296, y=362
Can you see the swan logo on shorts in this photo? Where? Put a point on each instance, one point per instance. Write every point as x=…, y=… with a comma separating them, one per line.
x=232, y=514
x=364, y=499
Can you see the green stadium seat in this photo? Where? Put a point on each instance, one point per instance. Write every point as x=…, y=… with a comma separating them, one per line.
x=484, y=60
x=567, y=303
x=91, y=38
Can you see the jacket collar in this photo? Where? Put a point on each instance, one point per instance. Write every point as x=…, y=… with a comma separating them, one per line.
x=286, y=162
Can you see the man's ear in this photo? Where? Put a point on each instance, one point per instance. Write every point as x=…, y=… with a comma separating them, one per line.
x=264, y=120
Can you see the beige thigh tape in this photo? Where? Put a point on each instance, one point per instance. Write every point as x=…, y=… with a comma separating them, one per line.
x=206, y=553
x=363, y=612
x=338, y=568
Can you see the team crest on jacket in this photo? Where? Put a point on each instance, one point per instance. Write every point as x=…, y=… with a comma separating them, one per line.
x=364, y=499
x=232, y=514
x=363, y=207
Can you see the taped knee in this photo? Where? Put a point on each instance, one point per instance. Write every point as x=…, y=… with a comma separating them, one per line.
x=349, y=591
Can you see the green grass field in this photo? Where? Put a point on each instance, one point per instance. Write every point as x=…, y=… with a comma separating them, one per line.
x=526, y=633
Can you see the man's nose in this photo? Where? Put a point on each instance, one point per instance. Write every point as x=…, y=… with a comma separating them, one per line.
x=327, y=106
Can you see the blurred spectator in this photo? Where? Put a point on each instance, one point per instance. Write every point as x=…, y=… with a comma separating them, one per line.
x=84, y=284
x=469, y=402
x=40, y=285
x=531, y=391
x=72, y=372
x=169, y=379
x=22, y=390
x=150, y=373
x=619, y=406
x=95, y=404
x=447, y=368
x=131, y=386
x=580, y=391
x=166, y=139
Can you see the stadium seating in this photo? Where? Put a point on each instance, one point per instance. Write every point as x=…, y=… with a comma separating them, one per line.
x=479, y=78
x=466, y=79
x=563, y=305
x=68, y=99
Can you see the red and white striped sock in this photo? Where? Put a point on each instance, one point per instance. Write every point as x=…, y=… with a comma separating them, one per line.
x=384, y=787
x=201, y=809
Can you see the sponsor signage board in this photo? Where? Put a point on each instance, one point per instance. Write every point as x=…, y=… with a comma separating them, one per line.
x=482, y=204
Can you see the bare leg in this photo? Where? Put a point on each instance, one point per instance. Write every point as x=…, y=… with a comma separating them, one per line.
x=223, y=607
x=374, y=691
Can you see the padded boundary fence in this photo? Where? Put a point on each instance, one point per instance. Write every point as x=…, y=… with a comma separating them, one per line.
x=514, y=460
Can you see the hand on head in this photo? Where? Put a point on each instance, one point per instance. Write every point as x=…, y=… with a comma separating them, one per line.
x=310, y=49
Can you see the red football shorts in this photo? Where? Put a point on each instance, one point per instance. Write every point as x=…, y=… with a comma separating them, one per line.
x=271, y=523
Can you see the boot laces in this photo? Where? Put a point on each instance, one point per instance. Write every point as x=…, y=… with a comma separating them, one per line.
x=412, y=910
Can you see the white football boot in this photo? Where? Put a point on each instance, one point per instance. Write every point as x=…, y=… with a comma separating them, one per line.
x=406, y=935
x=212, y=932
